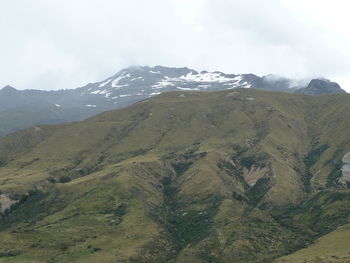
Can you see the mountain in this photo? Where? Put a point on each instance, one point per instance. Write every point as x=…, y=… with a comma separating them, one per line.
x=321, y=86
x=21, y=109
x=240, y=175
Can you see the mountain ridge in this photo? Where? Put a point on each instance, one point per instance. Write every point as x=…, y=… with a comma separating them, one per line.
x=127, y=86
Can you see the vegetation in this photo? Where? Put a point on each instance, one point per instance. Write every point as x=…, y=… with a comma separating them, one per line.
x=164, y=180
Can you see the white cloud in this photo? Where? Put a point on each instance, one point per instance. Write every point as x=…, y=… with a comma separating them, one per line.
x=49, y=44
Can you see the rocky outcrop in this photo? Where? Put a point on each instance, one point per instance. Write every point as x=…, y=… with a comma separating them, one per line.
x=6, y=202
x=346, y=158
x=345, y=178
x=321, y=86
x=253, y=174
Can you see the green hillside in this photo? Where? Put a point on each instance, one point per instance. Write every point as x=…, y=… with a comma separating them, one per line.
x=233, y=176
x=333, y=247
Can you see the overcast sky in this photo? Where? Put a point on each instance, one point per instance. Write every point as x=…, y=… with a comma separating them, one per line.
x=56, y=44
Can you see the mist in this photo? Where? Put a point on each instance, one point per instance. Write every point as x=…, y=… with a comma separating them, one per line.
x=64, y=44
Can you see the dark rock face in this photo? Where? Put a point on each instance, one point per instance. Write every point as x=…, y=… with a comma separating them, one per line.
x=321, y=86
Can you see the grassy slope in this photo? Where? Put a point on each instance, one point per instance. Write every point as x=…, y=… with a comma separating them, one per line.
x=162, y=180
x=333, y=247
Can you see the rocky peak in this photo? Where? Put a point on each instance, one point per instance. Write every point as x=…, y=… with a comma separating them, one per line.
x=8, y=88
x=321, y=86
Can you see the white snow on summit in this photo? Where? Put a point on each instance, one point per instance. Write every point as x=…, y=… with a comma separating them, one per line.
x=205, y=77
x=152, y=82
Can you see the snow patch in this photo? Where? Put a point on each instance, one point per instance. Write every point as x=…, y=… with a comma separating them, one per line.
x=205, y=77
x=103, y=92
x=155, y=93
x=115, y=82
x=104, y=83
x=137, y=78
x=187, y=88
x=245, y=85
x=120, y=86
x=238, y=78
x=205, y=86
x=163, y=83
